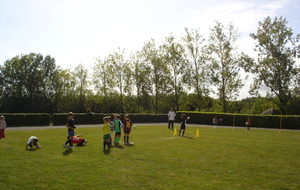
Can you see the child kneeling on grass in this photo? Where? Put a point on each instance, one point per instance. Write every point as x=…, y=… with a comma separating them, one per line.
x=33, y=140
x=106, y=133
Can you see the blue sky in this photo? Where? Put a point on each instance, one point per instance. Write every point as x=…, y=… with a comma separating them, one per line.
x=78, y=31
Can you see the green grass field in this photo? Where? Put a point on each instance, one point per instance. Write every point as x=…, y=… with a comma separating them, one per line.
x=221, y=158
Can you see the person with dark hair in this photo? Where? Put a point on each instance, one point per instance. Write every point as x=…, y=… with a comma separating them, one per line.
x=248, y=123
x=118, y=125
x=71, y=126
x=184, y=118
x=106, y=133
x=127, y=128
x=171, y=118
x=33, y=141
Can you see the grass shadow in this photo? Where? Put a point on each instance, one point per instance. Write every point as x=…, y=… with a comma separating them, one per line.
x=118, y=146
x=189, y=137
x=31, y=149
x=129, y=145
x=67, y=152
x=106, y=151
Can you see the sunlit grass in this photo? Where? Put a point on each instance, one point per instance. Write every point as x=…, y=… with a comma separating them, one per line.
x=221, y=158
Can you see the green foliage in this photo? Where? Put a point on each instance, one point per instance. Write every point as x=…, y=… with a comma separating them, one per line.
x=28, y=83
x=224, y=63
x=228, y=119
x=221, y=159
x=181, y=73
x=27, y=119
x=275, y=67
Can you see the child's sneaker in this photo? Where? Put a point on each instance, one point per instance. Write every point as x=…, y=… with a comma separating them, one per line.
x=64, y=145
x=71, y=147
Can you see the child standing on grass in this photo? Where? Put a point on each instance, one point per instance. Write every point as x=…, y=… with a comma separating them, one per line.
x=2, y=126
x=127, y=129
x=248, y=123
x=33, y=140
x=106, y=133
x=111, y=130
x=71, y=126
x=183, y=124
x=118, y=126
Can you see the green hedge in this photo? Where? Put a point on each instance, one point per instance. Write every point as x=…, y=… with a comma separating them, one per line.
x=45, y=119
x=97, y=118
x=27, y=119
x=269, y=121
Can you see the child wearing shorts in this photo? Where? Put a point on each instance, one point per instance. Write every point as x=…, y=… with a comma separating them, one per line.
x=127, y=128
x=71, y=126
x=111, y=130
x=118, y=126
x=183, y=124
x=106, y=133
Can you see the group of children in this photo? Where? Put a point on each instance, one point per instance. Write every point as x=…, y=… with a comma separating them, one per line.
x=111, y=128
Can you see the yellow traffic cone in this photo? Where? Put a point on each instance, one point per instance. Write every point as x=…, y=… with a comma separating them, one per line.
x=175, y=132
x=197, y=133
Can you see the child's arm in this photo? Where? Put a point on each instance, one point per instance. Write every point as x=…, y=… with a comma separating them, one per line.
x=26, y=146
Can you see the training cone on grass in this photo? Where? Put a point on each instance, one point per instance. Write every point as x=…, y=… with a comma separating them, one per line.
x=175, y=132
x=197, y=133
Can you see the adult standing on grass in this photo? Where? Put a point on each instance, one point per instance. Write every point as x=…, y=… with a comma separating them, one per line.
x=71, y=126
x=2, y=126
x=171, y=118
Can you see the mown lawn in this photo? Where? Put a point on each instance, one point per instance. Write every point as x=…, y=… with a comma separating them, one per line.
x=221, y=158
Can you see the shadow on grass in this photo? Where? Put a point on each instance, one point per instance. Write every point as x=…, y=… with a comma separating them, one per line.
x=106, y=151
x=129, y=145
x=118, y=146
x=67, y=152
x=189, y=137
x=31, y=149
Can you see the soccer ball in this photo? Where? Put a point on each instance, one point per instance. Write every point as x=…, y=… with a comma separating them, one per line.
x=214, y=127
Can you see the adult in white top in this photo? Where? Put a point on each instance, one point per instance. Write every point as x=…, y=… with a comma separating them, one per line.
x=171, y=118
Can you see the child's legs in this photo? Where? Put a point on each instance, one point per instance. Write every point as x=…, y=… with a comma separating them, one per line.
x=117, y=137
x=2, y=133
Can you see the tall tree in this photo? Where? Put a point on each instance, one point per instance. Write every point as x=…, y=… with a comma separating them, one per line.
x=196, y=53
x=224, y=62
x=103, y=81
x=118, y=64
x=80, y=74
x=142, y=81
x=152, y=56
x=174, y=58
x=275, y=66
x=28, y=83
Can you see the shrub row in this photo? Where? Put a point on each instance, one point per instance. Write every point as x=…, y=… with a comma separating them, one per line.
x=96, y=118
x=27, y=119
x=45, y=119
x=268, y=121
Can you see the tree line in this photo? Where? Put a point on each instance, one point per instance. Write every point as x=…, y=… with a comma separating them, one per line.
x=181, y=73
